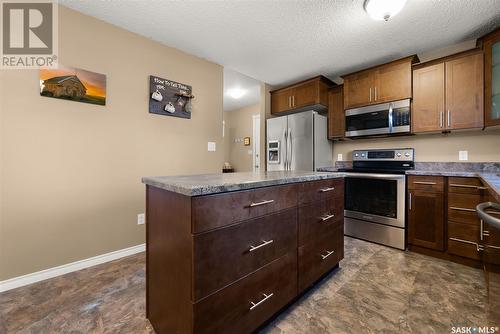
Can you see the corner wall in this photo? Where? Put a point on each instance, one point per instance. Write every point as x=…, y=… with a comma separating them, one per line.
x=71, y=172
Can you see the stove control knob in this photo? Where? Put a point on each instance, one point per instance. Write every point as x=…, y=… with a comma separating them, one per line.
x=362, y=155
x=356, y=155
x=407, y=154
x=398, y=155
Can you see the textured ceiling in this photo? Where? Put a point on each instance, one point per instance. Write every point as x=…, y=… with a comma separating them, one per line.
x=280, y=41
x=232, y=80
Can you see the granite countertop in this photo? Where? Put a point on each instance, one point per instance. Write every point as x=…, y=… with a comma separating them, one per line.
x=196, y=185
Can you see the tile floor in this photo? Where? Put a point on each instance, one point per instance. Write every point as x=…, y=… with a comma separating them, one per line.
x=376, y=290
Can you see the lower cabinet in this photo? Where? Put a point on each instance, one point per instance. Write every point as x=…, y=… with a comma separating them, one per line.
x=425, y=213
x=443, y=217
x=243, y=306
x=226, y=263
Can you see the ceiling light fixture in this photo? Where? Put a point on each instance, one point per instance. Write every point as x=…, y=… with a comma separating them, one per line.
x=236, y=93
x=383, y=9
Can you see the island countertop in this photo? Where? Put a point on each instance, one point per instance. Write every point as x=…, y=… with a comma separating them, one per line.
x=206, y=184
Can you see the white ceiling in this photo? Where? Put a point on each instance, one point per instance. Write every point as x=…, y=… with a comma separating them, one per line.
x=232, y=80
x=280, y=41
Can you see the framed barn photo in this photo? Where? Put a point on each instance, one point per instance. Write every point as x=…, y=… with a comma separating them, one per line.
x=73, y=84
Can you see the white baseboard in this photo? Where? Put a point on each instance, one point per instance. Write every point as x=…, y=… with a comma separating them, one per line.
x=38, y=276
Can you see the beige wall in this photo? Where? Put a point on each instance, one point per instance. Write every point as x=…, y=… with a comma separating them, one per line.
x=71, y=173
x=483, y=146
x=239, y=124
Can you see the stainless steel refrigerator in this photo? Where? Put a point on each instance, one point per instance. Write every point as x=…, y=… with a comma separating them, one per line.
x=298, y=142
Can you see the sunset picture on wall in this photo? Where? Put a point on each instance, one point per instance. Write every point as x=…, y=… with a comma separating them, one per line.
x=73, y=84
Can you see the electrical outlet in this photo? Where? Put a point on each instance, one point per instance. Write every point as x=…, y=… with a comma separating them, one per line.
x=211, y=146
x=141, y=219
x=340, y=157
x=463, y=155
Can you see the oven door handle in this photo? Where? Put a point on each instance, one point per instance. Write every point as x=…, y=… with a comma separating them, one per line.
x=395, y=177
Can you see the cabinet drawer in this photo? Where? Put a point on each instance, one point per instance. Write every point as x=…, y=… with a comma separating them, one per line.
x=465, y=185
x=462, y=208
x=214, y=211
x=463, y=240
x=317, y=219
x=245, y=305
x=319, y=256
x=314, y=191
x=427, y=183
x=225, y=255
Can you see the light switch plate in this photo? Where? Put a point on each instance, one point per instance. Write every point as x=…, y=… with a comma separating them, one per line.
x=211, y=146
x=340, y=157
x=250, y=152
x=141, y=219
x=463, y=155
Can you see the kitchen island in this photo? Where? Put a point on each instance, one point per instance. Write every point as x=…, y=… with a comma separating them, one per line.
x=226, y=252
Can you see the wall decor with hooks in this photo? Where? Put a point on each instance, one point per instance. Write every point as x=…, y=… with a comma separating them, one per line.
x=169, y=98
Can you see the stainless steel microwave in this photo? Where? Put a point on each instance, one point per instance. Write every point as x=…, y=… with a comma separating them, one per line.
x=385, y=118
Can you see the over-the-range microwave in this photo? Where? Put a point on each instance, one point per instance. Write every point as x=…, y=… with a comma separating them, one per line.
x=385, y=118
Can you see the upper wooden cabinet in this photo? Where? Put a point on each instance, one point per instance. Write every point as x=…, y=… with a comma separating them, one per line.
x=491, y=47
x=448, y=94
x=384, y=83
x=428, y=98
x=336, y=117
x=464, y=92
x=310, y=94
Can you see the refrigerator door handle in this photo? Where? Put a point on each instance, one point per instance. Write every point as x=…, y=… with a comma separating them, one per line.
x=285, y=149
x=291, y=149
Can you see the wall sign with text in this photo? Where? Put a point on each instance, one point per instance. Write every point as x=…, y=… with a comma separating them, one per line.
x=169, y=98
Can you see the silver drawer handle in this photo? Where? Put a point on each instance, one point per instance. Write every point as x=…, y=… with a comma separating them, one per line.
x=425, y=182
x=261, y=203
x=264, y=243
x=492, y=212
x=462, y=209
x=266, y=297
x=324, y=190
x=328, y=253
x=464, y=241
x=478, y=246
x=467, y=186
x=327, y=217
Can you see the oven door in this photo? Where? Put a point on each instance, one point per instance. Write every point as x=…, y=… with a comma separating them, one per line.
x=378, y=198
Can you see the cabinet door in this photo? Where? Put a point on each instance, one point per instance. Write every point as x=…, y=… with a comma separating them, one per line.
x=426, y=219
x=305, y=95
x=428, y=99
x=281, y=101
x=336, y=116
x=358, y=89
x=393, y=82
x=492, y=78
x=464, y=92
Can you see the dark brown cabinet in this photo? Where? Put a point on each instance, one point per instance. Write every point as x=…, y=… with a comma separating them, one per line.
x=226, y=263
x=311, y=94
x=426, y=212
x=448, y=94
x=336, y=116
x=491, y=47
x=384, y=83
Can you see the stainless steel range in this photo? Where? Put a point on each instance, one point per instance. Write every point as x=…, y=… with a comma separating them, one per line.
x=375, y=201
